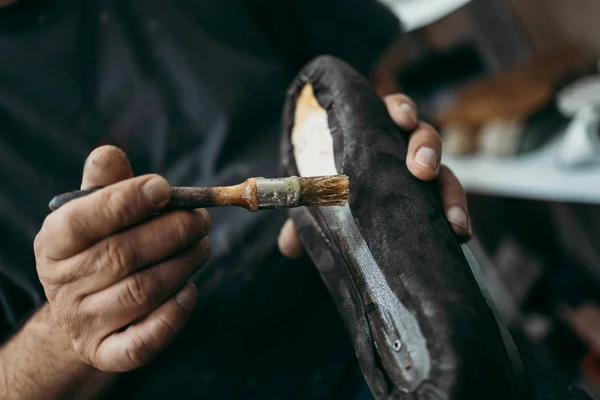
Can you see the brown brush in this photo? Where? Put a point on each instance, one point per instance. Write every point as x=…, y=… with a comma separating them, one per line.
x=253, y=194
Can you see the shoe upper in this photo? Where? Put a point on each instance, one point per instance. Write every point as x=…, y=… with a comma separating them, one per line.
x=420, y=326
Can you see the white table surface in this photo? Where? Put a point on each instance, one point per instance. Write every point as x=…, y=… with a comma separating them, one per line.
x=535, y=175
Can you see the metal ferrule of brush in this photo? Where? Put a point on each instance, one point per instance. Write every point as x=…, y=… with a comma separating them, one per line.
x=278, y=193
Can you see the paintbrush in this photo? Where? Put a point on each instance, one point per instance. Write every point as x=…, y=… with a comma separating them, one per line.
x=253, y=194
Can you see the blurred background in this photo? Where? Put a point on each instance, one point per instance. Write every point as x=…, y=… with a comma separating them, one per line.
x=514, y=88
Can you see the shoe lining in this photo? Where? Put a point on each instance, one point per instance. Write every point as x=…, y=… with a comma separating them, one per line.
x=311, y=137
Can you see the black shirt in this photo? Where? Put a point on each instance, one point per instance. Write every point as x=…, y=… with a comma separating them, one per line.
x=192, y=90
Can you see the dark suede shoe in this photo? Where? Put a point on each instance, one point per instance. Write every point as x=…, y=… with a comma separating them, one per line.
x=420, y=325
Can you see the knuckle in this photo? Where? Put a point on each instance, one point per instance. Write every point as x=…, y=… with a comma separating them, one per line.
x=138, y=352
x=136, y=292
x=119, y=206
x=207, y=223
x=65, y=273
x=141, y=289
x=118, y=257
x=79, y=266
x=184, y=225
x=168, y=327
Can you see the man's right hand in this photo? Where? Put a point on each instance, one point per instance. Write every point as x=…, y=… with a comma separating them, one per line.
x=114, y=272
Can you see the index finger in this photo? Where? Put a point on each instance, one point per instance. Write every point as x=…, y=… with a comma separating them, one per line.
x=82, y=222
x=402, y=110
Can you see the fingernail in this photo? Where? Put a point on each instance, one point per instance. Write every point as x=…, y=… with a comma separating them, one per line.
x=187, y=296
x=427, y=158
x=157, y=190
x=409, y=110
x=458, y=217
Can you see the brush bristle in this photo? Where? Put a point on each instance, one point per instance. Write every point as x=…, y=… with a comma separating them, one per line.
x=324, y=191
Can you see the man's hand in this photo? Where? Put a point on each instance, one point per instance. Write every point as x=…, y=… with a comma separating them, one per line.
x=422, y=160
x=114, y=272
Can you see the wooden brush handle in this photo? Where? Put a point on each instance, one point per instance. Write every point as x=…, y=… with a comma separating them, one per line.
x=242, y=195
x=188, y=198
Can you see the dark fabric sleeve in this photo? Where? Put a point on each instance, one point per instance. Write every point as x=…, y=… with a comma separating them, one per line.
x=20, y=290
x=356, y=31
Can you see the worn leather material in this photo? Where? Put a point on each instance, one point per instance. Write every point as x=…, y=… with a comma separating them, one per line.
x=411, y=243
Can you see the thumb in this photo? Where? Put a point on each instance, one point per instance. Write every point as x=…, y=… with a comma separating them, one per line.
x=288, y=241
x=104, y=166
